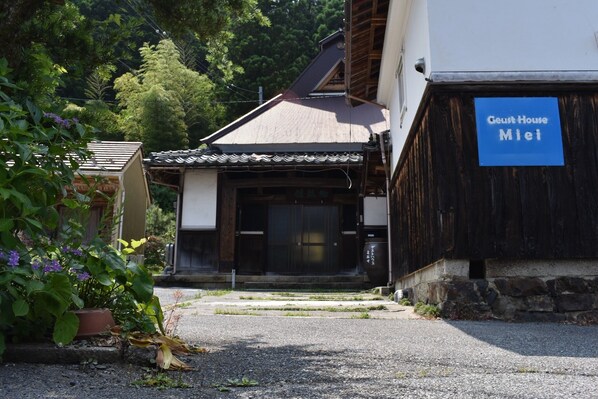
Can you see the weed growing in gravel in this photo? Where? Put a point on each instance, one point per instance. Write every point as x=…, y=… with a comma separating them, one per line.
x=297, y=314
x=236, y=383
x=285, y=294
x=332, y=309
x=217, y=292
x=526, y=370
x=423, y=373
x=171, y=317
x=235, y=312
x=430, y=311
x=363, y=315
x=160, y=381
x=405, y=302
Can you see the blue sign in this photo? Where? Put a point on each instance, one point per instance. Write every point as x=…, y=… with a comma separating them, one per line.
x=519, y=131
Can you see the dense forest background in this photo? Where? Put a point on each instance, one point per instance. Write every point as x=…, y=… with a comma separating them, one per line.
x=161, y=72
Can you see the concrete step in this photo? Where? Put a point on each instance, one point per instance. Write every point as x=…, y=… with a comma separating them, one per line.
x=341, y=282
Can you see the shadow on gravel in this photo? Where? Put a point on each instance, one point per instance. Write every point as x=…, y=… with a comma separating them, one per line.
x=534, y=339
x=280, y=371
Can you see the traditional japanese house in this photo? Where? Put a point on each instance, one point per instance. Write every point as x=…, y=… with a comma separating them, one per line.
x=494, y=133
x=281, y=190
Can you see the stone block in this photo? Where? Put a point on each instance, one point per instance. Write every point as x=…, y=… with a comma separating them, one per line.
x=491, y=296
x=458, y=291
x=574, y=302
x=539, y=303
x=520, y=286
x=505, y=307
x=568, y=285
x=465, y=311
x=585, y=318
x=540, y=317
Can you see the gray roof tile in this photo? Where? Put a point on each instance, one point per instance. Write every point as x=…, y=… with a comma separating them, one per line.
x=209, y=159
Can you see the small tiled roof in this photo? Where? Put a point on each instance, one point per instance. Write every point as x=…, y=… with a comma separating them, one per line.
x=209, y=159
x=110, y=156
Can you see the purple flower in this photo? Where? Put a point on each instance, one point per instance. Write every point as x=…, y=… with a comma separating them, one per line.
x=52, y=266
x=13, y=258
x=58, y=120
x=83, y=276
x=36, y=264
x=77, y=252
x=73, y=251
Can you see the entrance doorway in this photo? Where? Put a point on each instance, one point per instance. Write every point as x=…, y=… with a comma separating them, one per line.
x=303, y=239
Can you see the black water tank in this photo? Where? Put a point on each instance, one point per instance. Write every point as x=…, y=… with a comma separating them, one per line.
x=375, y=260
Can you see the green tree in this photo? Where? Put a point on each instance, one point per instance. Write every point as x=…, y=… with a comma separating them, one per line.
x=48, y=42
x=273, y=57
x=166, y=105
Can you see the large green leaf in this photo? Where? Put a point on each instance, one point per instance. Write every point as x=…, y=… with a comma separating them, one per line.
x=34, y=285
x=55, y=298
x=45, y=302
x=6, y=224
x=142, y=284
x=20, y=307
x=65, y=328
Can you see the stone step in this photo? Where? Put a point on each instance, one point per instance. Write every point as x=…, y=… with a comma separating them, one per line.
x=341, y=282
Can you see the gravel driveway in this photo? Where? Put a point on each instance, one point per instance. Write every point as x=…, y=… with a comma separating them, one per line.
x=342, y=357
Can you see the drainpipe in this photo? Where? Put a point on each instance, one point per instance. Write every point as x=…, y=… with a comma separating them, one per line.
x=388, y=229
x=121, y=218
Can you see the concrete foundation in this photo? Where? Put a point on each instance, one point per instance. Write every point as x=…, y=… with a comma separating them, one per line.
x=565, y=290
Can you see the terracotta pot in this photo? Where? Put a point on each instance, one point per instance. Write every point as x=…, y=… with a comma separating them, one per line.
x=93, y=322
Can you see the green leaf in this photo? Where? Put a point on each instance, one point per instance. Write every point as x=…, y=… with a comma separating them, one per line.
x=34, y=286
x=35, y=112
x=137, y=243
x=77, y=301
x=20, y=307
x=8, y=239
x=142, y=284
x=6, y=224
x=4, y=193
x=34, y=223
x=65, y=328
x=71, y=203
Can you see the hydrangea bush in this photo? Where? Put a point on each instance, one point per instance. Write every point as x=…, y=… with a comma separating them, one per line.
x=43, y=280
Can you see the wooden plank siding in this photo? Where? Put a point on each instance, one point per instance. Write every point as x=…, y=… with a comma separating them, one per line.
x=444, y=205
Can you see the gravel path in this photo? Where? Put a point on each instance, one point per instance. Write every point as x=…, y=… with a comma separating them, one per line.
x=324, y=357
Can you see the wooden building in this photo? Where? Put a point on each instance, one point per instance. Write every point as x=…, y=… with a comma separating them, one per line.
x=281, y=190
x=494, y=134
x=115, y=168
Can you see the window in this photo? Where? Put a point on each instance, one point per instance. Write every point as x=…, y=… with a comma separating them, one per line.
x=401, y=87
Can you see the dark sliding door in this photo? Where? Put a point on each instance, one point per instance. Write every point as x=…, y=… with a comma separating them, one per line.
x=303, y=239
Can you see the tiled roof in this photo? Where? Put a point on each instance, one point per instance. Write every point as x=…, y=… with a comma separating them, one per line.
x=309, y=120
x=110, y=156
x=210, y=159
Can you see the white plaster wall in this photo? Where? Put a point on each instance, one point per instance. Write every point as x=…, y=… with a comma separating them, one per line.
x=513, y=35
x=374, y=211
x=407, y=28
x=200, y=195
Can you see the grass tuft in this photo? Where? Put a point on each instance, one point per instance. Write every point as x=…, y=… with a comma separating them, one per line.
x=430, y=311
x=235, y=312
